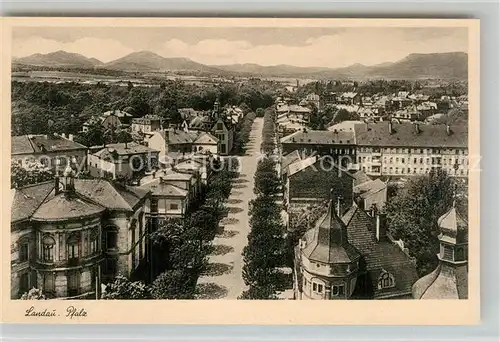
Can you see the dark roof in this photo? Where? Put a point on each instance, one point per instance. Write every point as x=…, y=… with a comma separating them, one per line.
x=27, y=199
x=319, y=137
x=21, y=145
x=404, y=134
x=110, y=195
x=178, y=136
x=62, y=208
x=380, y=256
x=121, y=150
x=36, y=144
x=327, y=242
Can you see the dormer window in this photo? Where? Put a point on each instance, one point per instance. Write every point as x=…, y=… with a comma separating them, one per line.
x=386, y=280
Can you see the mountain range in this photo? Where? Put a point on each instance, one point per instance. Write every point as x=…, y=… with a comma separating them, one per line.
x=451, y=65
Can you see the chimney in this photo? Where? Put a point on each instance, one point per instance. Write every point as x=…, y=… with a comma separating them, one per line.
x=390, y=126
x=381, y=227
x=63, y=135
x=417, y=128
x=373, y=210
x=339, y=200
x=70, y=137
x=56, y=185
x=448, y=129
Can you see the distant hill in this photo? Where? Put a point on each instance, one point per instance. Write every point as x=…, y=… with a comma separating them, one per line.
x=150, y=61
x=59, y=59
x=451, y=65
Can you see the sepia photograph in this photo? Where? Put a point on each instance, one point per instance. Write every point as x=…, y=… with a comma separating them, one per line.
x=253, y=162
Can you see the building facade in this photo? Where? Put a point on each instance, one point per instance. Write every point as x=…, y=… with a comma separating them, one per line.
x=148, y=123
x=71, y=235
x=391, y=149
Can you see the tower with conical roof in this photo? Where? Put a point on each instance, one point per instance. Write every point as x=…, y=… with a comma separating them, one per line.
x=450, y=278
x=326, y=263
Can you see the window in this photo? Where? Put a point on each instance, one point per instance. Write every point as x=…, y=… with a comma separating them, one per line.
x=385, y=280
x=94, y=236
x=320, y=288
x=154, y=205
x=415, y=170
x=174, y=206
x=390, y=160
x=447, y=252
x=459, y=255
x=315, y=287
x=427, y=161
x=219, y=125
x=337, y=290
x=73, y=247
x=421, y=160
x=456, y=151
x=397, y=170
x=421, y=151
x=23, y=251
x=359, y=159
x=403, y=170
x=111, y=239
x=397, y=160
x=48, y=243
x=414, y=160
x=24, y=284
x=223, y=148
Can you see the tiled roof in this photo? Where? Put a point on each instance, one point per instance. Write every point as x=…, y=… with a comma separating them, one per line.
x=21, y=145
x=319, y=137
x=380, y=256
x=177, y=136
x=62, y=207
x=35, y=144
x=370, y=187
x=162, y=188
x=174, y=175
x=121, y=150
x=377, y=134
x=27, y=199
x=112, y=196
x=360, y=177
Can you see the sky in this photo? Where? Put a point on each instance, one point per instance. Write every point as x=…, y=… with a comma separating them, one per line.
x=300, y=46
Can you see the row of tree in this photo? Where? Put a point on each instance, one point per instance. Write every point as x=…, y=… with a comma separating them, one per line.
x=269, y=132
x=265, y=252
x=242, y=134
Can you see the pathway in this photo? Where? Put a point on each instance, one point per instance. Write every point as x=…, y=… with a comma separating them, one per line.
x=223, y=279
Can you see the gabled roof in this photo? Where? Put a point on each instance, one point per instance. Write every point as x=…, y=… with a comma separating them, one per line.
x=173, y=175
x=380, y=256
x=360, y=177
x=308, y=162
x=21, y=145
x=206, y=138
x=300, y=165
x=377, y=134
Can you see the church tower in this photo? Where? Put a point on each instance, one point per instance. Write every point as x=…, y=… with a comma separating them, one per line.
x=326, y=263
x=450, y=279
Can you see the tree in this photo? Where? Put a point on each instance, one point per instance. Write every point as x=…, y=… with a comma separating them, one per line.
x=123, y=288
x=264, y=292
x=173, y=284
x=33, y=294
x=20, y=176
x=344, y=115
x=266, y=178
x=413, y=213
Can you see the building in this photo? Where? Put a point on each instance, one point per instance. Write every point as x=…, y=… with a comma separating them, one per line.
x=352, y=258
x=167, y=200
x=308, y=182
x=112, y=119
x=173, y=140
x=148, y=123
x=53, y=151
x=369, y=193
x=70, y=235
x=391, y=149
x=450, y=279
x=223, y=130
x=338, y=144
x=123, y=160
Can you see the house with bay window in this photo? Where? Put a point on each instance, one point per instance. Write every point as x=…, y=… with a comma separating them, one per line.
x=69, y=236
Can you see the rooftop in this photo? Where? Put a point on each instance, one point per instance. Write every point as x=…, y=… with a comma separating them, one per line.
x=159, y=187
x=26, y=144
x=319, y=137
x=123, y=149
x=404, y=134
